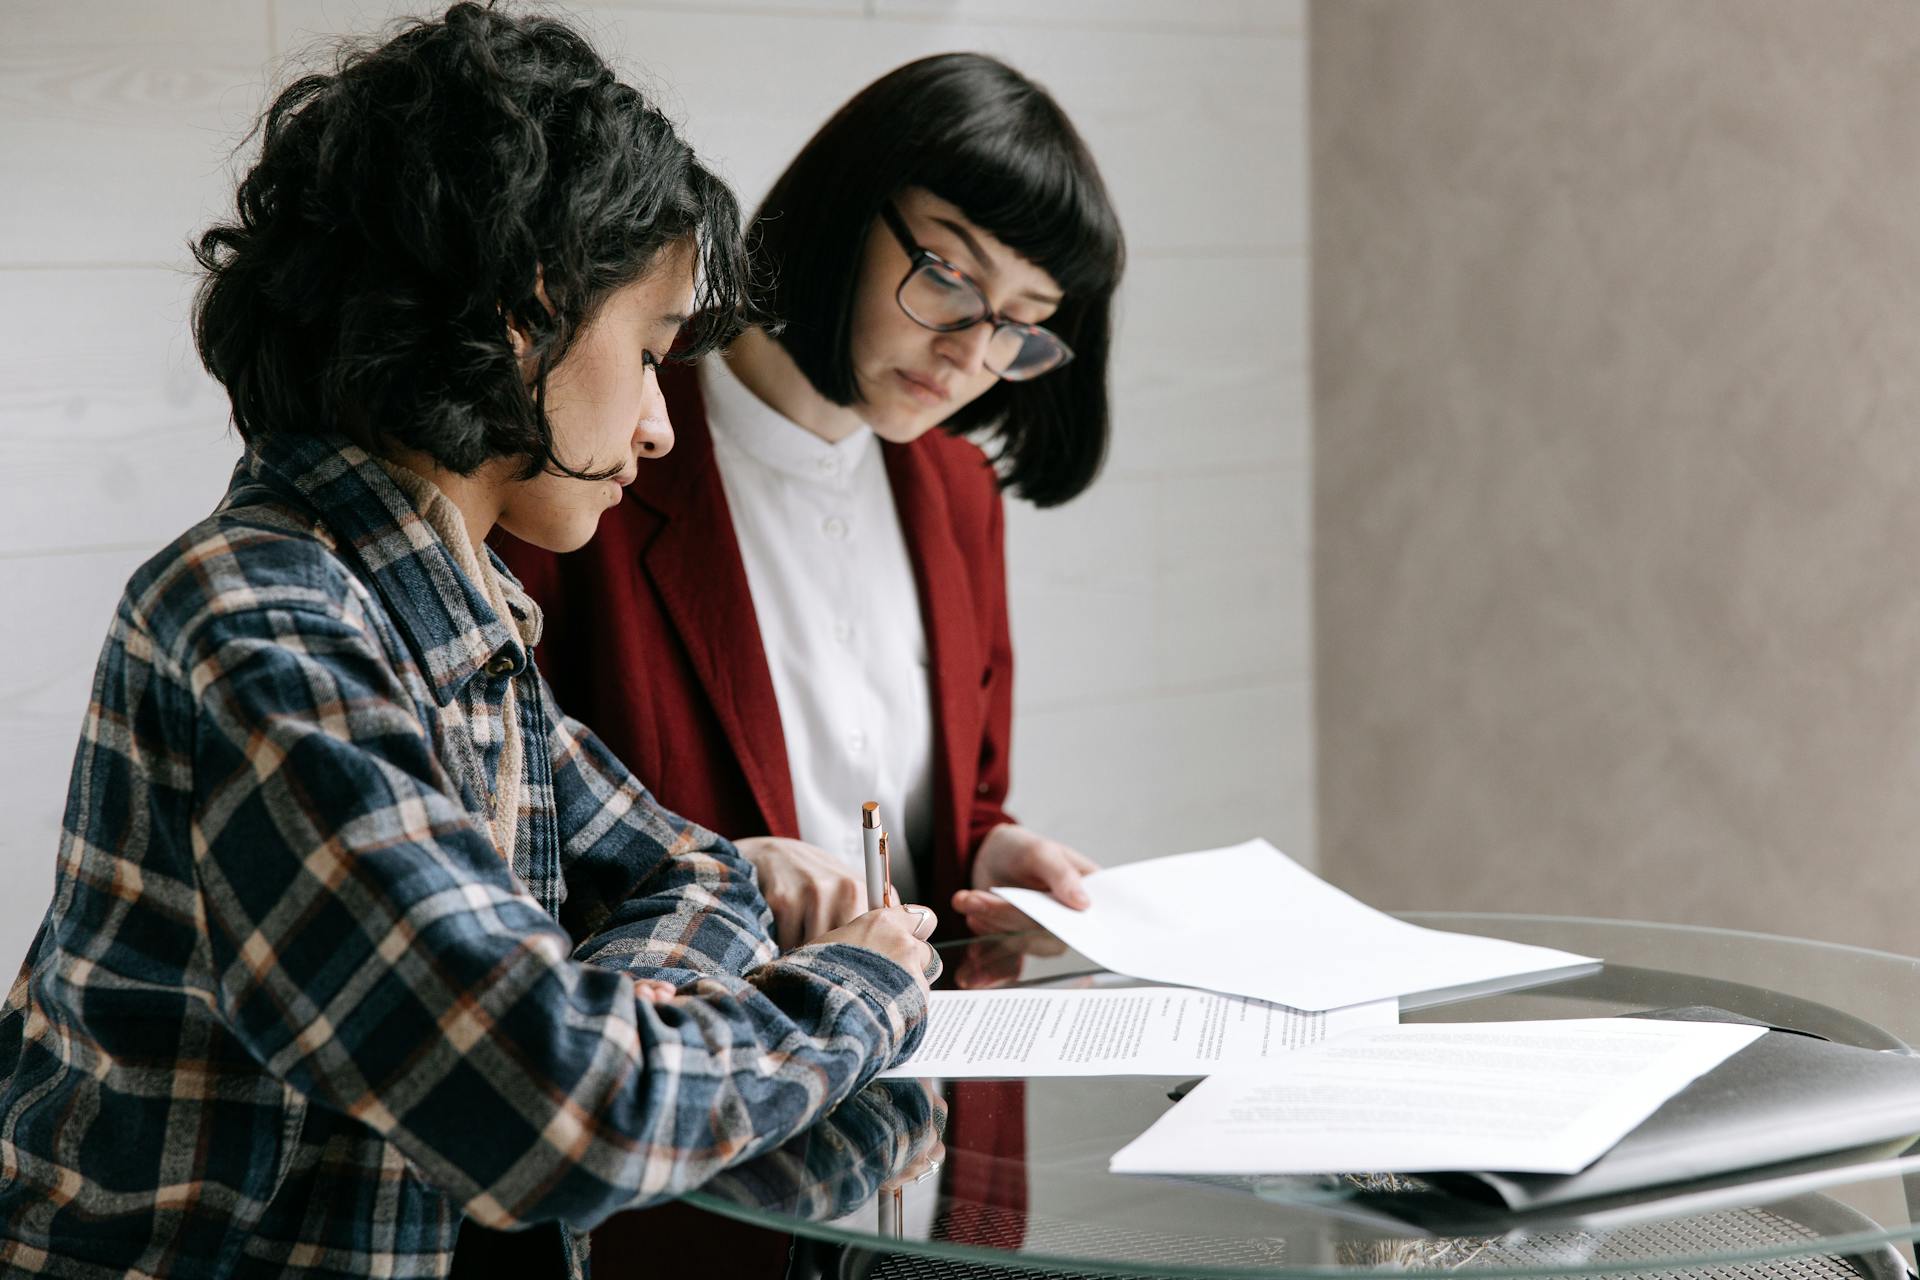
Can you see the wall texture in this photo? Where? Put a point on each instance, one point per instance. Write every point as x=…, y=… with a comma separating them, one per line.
x=1160, y=620
x=1617, y=458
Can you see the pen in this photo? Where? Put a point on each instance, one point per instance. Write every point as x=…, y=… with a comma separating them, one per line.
x=871, y=836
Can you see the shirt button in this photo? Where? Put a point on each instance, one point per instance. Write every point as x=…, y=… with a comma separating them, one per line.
x=499, y=665
x=827, y=466
x=834, y=527
x=856, y=741
x=983, y=788
x=842, y=630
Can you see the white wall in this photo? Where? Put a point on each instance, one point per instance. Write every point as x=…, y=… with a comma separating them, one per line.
x=1160, y=620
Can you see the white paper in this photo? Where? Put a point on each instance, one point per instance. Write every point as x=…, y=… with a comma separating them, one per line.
x=1250, y=921
x=1127, y=1031
x=1518, y=1097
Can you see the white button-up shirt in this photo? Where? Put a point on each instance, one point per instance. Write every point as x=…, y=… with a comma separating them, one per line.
x=839, y=614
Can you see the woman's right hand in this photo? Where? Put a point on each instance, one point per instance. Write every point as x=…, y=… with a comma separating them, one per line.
x=898, y=933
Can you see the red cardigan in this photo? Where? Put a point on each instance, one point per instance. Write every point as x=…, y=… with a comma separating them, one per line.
x=651, y=639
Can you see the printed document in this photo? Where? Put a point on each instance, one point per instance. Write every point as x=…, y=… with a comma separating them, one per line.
x=1534, y=1097
x=1117, y=1031
x=1250, y=921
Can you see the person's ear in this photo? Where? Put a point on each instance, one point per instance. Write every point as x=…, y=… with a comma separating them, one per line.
x=517, y=336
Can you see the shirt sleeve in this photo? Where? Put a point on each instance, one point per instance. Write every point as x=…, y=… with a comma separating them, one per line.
x=372, y=952
x=647, y=890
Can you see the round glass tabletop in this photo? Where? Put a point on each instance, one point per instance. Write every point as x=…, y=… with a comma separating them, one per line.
x=929, y=1179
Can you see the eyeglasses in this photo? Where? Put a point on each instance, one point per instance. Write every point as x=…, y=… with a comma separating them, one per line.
x=940, y=296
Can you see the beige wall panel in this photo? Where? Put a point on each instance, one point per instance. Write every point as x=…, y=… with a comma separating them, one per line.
x=1617, y=458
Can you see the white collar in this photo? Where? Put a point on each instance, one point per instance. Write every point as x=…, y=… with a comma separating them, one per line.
x=740, y=418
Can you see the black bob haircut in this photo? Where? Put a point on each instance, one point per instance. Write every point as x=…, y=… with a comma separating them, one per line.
x=980, y=135
x=406, y=206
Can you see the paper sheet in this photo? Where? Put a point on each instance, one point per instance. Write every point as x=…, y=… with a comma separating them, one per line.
x=1534, y=1097
x=1138, y=1031
x=1250, y=921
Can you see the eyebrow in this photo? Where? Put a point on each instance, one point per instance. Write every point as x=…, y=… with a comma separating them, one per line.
x=987, y=264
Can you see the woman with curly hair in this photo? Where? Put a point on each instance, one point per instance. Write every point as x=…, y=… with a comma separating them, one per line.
x=354, y=935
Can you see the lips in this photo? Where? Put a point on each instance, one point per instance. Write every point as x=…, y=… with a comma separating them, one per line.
x=924, y=387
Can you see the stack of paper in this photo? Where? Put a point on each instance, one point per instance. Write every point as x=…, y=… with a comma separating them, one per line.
x=1785, y=1101
x=1543, y=1097
x=1250, y=921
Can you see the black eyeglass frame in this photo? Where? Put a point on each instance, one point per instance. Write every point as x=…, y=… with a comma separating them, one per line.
x=919, y=257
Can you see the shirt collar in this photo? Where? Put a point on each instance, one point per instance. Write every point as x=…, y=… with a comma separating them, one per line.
x=748, y=423
x=510, y=601
x=441, y=612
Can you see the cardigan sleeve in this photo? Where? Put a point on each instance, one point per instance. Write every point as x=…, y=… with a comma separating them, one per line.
x=996, y=732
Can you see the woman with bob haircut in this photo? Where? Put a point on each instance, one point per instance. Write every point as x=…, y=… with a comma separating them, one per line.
x=805, y=607
x=354, y=935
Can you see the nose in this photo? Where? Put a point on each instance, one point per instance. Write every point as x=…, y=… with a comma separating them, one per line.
x=653, y=438
x=966, y=350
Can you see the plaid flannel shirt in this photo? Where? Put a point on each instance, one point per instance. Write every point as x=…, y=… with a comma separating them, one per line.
x=290, y=1012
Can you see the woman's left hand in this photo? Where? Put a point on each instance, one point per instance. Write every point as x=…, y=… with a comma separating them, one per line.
x=1013, y=855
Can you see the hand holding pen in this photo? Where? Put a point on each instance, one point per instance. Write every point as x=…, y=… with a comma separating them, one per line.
x=898, y=933
x=816, y=898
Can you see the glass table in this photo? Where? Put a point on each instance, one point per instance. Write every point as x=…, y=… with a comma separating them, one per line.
x=977, y=1178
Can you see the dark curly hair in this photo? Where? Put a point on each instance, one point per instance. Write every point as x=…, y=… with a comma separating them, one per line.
x=407, y=205
x=975, y=132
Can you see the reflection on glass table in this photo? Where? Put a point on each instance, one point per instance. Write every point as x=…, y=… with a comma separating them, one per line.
x=1020, y=1182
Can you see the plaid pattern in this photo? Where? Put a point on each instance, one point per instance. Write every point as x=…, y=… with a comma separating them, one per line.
x=836, y=1167
x=290, y=1011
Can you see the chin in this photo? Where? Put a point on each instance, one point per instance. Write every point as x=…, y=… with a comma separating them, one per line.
x=903, y=429
x=557, y=536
